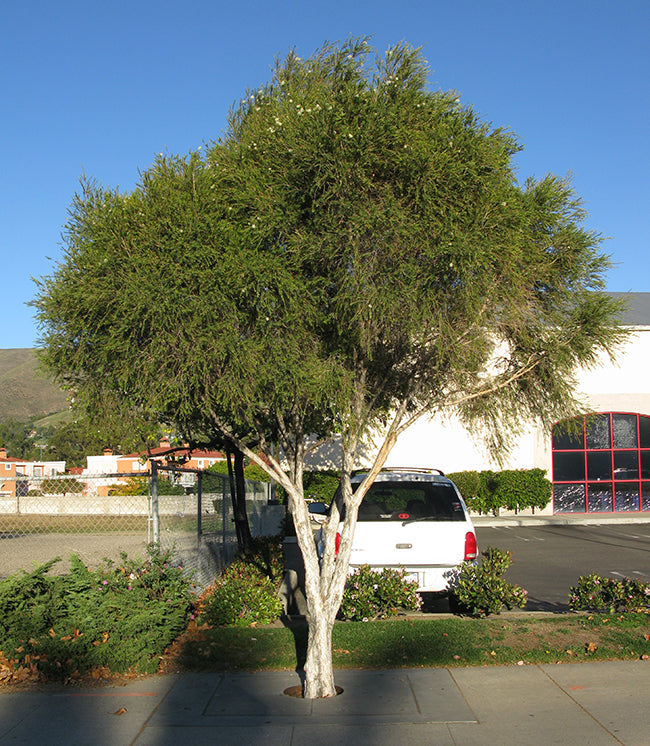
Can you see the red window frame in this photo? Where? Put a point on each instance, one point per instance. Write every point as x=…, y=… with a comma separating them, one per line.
x=613, y=490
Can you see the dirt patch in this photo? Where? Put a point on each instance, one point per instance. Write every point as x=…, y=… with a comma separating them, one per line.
x=27, y=551
x=543, y=635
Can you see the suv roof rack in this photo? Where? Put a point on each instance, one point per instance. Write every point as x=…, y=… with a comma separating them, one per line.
x=402, y=469
x=416, y=469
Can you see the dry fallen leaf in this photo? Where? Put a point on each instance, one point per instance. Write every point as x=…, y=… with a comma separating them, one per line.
x=591, y=647
x=121, y=711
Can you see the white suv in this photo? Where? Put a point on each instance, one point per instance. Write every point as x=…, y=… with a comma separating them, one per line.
x=413, y=519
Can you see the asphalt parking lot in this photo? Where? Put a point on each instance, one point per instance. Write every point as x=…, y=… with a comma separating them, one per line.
x=549, y=559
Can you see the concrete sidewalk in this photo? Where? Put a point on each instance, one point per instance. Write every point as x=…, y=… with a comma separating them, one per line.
x=581, y=703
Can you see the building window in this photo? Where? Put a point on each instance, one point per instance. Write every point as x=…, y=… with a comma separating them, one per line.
x=601, y=463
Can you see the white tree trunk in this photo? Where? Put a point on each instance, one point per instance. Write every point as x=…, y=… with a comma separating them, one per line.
x=319, y=672
x=324, y=582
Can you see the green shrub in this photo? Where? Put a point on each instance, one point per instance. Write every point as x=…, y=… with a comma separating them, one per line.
x=479, y=589
x=469, y=486
x=477, y=489
x=247, y=591
x=514, y=489
x=241, y=596
x=596, y=593
x=522, y=488
x=266, y=555
x=120, y=616
x=372, y=594
x=54, y=486
x=321, y=485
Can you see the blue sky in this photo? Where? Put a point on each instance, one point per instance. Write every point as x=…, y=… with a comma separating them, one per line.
x=100, y=88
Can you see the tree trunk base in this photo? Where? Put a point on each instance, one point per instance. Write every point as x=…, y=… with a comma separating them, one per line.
x=297, y=691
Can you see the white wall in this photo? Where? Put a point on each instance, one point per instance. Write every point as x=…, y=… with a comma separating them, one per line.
x=446, y=445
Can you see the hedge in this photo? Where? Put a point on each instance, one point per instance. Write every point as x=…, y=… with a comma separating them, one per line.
x=514, y=489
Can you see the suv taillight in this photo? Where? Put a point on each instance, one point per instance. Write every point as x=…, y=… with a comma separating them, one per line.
x=471, y=549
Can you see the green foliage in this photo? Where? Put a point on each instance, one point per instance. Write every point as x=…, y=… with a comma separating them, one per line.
x=355, y=245
x=479, y=589
x=522, y=488
x=372, y=594
x=247, y=591
x=121, y=616
x=515, y=489
x=247, y=284
x=468, y=484
x=61, y=486
x=141, y=486
x=597, y=593
x=266, y=556
x=252, y=472
x=321, y=485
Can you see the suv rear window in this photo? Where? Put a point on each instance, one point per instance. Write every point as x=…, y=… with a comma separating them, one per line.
x=404, y=501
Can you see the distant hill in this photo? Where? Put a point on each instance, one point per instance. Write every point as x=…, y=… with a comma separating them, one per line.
x=24, y=392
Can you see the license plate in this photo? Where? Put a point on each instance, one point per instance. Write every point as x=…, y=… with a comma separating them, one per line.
x=412, y=577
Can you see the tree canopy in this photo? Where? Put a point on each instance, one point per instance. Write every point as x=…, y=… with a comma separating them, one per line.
x=355, y=251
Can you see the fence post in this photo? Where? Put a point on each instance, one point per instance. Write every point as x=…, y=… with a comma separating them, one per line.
x=155, y=515
x=223, y=511
x=199, y=528
x=199, y=502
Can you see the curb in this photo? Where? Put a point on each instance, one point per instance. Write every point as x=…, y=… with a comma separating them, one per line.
x=597, y=519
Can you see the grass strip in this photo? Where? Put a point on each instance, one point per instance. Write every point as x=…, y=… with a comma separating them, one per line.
x=421, y=642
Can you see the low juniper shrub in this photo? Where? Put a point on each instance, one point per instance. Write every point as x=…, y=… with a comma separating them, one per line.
x=247, y=591
x=596, y=593
x=372, y=594
x=478, y=589
x=121, y=617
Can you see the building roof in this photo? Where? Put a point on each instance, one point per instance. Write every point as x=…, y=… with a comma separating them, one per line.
x=637, y=308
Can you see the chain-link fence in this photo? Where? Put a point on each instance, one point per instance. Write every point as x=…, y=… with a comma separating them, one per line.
x=98, y=516
x=199, y=527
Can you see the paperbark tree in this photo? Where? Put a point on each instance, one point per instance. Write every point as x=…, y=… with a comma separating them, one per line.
x=355, y=252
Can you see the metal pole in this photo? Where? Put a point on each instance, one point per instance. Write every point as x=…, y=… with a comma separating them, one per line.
x=199, y=530
x=155, y=515
x=223, y=512
x=199, y=482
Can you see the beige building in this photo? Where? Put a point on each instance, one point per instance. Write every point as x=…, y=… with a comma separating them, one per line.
x=606, y=468
x=15, y=473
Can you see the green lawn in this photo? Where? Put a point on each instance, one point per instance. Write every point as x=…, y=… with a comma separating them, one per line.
x=423, y=641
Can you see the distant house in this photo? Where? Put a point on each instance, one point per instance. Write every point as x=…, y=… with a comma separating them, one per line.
x=139, y=464
x=16, y=474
